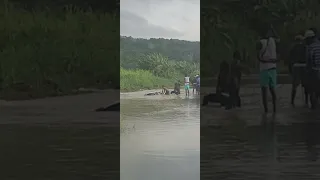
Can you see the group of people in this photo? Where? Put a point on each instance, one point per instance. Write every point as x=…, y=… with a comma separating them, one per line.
x=304, y=67
x=177, y=85
x=195, y=85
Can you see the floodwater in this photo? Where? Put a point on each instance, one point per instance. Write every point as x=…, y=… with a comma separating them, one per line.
x=60, y=138
x=161, y=137
x=244, y=144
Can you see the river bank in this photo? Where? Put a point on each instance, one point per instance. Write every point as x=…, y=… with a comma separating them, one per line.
x=64, y=109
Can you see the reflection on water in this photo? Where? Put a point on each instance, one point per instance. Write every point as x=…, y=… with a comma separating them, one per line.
x=59, y=138
x=58, y=152
x=242, y=144
x=164, y=143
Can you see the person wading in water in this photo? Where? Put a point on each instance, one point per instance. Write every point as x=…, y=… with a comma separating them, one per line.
x=187, y=84
x=297, y=68
x=268, y=57
x=313, y=65
x=236, y=70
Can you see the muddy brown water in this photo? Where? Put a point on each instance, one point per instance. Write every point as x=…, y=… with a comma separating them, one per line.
x=60, y=138
x=163, y=137
x=243, y=144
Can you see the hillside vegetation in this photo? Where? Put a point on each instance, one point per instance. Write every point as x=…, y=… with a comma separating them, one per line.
x=151, y=63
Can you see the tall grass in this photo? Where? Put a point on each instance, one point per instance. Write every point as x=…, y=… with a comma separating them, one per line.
x=71, y=49
x=132, y=80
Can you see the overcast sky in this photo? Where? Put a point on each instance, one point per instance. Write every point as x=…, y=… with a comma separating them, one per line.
x=177, y=19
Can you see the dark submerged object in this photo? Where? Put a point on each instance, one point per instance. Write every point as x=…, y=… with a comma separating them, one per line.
x=215, y=98
x=175, y=92
x=152, y=94
x=112, y=107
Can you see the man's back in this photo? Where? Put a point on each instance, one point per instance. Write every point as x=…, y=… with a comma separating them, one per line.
x=298, y=54
x=314, y=55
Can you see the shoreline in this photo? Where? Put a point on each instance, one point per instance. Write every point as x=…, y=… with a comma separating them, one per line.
x=34, y=95
x=156, y=88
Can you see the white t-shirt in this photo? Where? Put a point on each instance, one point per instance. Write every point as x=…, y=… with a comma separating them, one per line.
x=268, y=52
x=186, y=80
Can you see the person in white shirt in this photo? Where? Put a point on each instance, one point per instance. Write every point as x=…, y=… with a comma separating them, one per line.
x=187, y=84
x=267, y=56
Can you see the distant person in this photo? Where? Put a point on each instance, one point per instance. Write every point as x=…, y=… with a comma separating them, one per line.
x=187, y=84
x=268, y=58
x=313, y=66
x=198, y=84
x=165, y=91
x=194, y=85
x=176, y=88
x=297, y=68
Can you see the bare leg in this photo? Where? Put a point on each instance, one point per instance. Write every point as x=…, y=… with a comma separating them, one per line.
x=293, y=94
x=274, y=98
x=264, y=99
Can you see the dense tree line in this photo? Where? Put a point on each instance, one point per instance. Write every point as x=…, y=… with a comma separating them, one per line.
x=227, y=25
x=176, y=50
x=50, y=52
x=112, y=6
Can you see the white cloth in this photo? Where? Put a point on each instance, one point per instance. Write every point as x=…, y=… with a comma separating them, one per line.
x=268, y=52
x=186, y=80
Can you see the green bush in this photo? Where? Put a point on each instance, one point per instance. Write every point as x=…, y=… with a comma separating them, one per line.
x=132, y=80
x=71, y=49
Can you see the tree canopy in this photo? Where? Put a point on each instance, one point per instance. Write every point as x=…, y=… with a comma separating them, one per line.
x=175, y=50
x=227, y=25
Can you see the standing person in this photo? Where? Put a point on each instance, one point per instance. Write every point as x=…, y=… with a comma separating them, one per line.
x=236, y=70
x=223, y=78
x=194, y=84
x=267, y=56
x=198, y=85
x=187, y=84
x=223, y=85
x=297, y=68
x=313, y=65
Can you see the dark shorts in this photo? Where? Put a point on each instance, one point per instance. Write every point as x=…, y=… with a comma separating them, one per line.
x=299, y=76
x=314, y=80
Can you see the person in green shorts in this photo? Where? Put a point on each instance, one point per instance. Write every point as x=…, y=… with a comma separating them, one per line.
x=267, y=56
x=187, y=84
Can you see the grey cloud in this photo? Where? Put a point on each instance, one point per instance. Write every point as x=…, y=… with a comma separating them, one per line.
x=137, y=26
